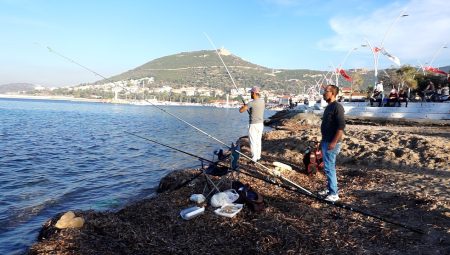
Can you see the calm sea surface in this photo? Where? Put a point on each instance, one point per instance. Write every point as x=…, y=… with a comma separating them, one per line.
x=58, y=155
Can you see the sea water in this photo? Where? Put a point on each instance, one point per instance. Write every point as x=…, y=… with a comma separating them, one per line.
x=57, y=156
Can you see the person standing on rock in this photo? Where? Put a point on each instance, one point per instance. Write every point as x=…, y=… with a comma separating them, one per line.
x=255, y=110
x=332, y=129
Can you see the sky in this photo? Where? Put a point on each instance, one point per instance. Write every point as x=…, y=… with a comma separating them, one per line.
x=113, y=36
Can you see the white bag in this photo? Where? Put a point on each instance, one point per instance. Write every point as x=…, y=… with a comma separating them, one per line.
x=224, y=198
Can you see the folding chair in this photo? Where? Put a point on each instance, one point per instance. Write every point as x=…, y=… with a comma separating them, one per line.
x=217, y=173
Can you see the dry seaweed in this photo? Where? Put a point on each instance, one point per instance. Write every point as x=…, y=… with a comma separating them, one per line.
x=291, y=223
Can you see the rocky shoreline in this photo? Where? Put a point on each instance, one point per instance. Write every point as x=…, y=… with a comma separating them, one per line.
x=398, y=171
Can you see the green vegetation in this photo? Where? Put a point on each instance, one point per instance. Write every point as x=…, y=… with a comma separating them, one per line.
x=205, y=69
x=409, y=76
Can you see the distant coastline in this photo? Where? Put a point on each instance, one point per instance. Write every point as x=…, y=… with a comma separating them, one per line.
x=113, y=101
x=54, y=98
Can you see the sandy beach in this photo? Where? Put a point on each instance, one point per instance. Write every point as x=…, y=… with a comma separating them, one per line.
x=398, y=170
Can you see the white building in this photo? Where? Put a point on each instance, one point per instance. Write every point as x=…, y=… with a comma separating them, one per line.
x=163, y=89
x=38, y=87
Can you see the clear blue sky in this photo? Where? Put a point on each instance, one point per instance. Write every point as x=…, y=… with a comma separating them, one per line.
x=112, y=36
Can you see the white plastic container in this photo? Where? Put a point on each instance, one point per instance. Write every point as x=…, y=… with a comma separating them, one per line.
x=191, y=212
x=198, y=198
x=229, y=210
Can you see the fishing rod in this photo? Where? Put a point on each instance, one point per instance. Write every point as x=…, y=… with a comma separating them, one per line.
x=226, y=68
x=170, y=147
x=287, y=187
x=196, y=128
x=336, y=204
x=151, y=103
x=293, y=184
x=76, y=63
x=185, y=152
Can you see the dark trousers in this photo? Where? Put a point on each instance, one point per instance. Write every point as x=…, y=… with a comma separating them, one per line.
x=393, y=101
x=379, y=100
x=400, y=100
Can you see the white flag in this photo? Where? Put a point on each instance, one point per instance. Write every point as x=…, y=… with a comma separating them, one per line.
x=390, y=57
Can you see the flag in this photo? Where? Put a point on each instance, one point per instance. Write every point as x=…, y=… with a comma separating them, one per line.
x=345, y=75
x=434, y=70
x=390, y=57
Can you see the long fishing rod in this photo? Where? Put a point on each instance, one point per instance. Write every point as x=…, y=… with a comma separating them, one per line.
x=76, y=63
x=337, y=204
x=196, y=128
x=170, y=147
x=287, y=187
x=151, y=103
x=226, y=68
x=299, y=188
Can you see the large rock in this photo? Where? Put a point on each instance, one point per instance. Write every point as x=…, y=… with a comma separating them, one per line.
x=176, y=179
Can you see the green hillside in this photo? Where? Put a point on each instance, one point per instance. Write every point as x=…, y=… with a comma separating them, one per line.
x=204, y=68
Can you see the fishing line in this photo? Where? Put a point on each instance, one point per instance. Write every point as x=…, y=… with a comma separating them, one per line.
x=340, y=205
x=286, y=187
x=226, y=68
x=180, y=119
x=170, y=147
x=262, y=167
x=70, y=60
x=293, y=184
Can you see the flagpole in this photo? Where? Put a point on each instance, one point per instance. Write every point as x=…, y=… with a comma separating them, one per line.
x=335, y=72
x=376, y=55
x=375, y=59
x=402, y=14
x=437, y=52
x=343, y=62
x=421, y=67
x=346, y=56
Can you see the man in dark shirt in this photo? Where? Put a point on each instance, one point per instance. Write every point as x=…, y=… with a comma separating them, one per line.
x=332, y=129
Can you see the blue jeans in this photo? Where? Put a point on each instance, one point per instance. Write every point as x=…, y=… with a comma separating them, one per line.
x=329, y=160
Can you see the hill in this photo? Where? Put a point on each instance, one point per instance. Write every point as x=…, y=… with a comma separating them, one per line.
x=16, y=87
x=204, y=68
x=445, y=68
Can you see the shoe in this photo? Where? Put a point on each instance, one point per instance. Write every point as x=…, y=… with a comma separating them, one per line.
x=332, y=198
x=323, y=192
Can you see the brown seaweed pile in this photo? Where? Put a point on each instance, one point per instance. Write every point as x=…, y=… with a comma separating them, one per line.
x=399, y=173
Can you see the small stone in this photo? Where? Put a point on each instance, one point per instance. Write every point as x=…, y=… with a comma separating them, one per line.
x=68, y=220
